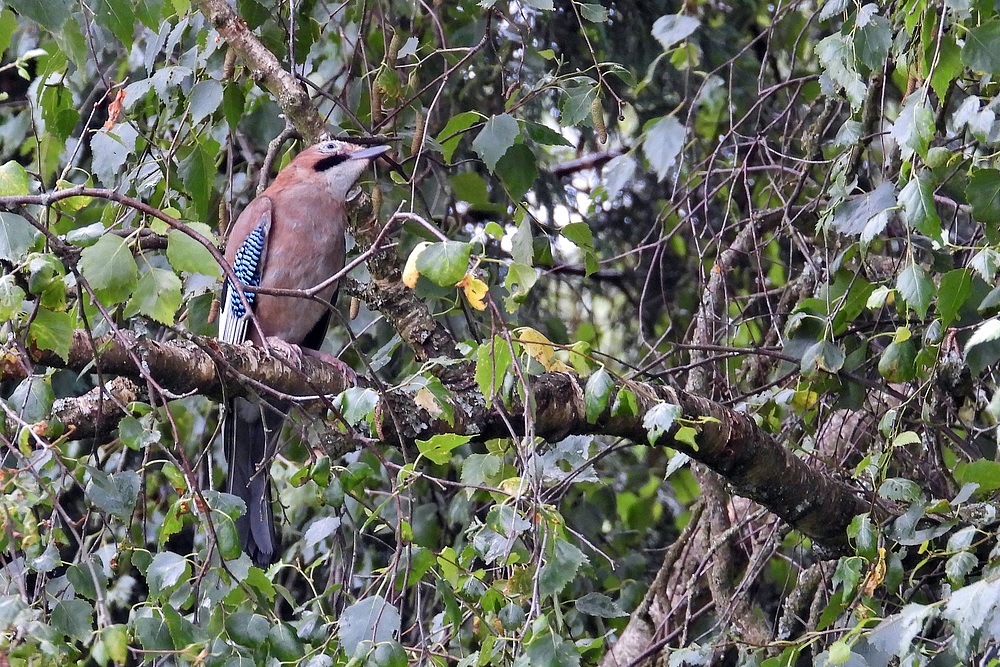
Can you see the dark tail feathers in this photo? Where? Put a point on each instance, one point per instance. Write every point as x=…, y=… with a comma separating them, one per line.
x=250, y=431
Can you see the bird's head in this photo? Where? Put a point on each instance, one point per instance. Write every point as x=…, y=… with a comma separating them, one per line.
x=338, y=164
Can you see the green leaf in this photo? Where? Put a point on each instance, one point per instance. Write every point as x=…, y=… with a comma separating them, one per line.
x=949, y=65
x=257, y=580
x=954, y=290
x=284, y=644
x=496, y=137
x=45, y=279
x=229, y=543
x=52, y=330
x=663, y=144
x=542, y=134
x=982, y=472
x=452, y=134
x=504, y=520
x=32, y=399
x=357, y=404
x=390, y=654
x=574, y=107
x=17, y=237
x=839, y=653
x=916, y=288
x=114, y=638
x=626, y=404
x=118, y=17
x=687, y=435
x=872, y=42
x=986, y=332
x=672, y=28
x=204, y=99
x=517, y=170
x=110, y=150
x=247, y=629
x=659, y=419
x=50, y=14
x=824, y=356
x=986, y=263
x=115, y=493
x=580, y=234
x=897, y=362
x=865, y=215
x=370, y=619
x=153, y=633
x=914, y=127
x=594, y=13
x=470, y=187
x=438, y=449
x=983, y=193
x=320, y=529
x=548, y=649
x=183, y=632
x=493, y=359
x=233, y=104
x=253, y=12
x=478, y=469
x=597, y=393
x=166, y=570
x=157, y=295
x=110, y=268
x=900, y=490
x=73, y=618
x=186, y=254
x=917, y=200
x=14, y=181
x=600, y=605
x=982, y=47
x=959, y=566
x=8, y=24
x=560, y=569
x=137, y=434
x=11, y=297
x=836, y=55
x=444, y=263
x=88, y=579
x=58, y=111
x=197, y=169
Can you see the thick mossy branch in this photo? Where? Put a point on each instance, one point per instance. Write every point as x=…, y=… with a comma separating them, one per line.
x=815, y=501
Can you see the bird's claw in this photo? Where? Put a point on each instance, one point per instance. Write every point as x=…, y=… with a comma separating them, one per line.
x=289, y=351
x=349, y=374
x=295, y=354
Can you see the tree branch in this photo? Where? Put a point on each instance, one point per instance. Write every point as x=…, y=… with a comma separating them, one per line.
x=266, y=69
x=814, y=501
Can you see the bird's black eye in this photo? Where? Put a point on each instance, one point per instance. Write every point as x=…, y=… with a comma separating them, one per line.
x=329, y=161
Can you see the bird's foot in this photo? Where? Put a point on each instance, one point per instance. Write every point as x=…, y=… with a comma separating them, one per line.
x=290, y=352
x=349, y=374
x=294, y=354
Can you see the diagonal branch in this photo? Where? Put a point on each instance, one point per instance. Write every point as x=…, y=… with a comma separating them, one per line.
x=266, y=69
x=815, y=501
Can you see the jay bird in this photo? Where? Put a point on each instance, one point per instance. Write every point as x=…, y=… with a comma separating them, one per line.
x=289, y=237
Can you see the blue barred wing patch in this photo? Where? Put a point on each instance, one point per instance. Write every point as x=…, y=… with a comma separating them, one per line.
x=247, y=266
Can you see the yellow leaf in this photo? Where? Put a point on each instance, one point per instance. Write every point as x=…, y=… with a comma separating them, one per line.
x=410, y=273
x=72, y=204
x=538, y=348
x=425, y=399
x=875, y=576
x=475, y=291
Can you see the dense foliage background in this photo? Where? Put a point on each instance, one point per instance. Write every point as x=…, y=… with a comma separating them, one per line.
x=738, y=260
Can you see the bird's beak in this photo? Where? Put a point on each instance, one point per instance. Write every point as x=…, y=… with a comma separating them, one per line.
x=369, y=153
